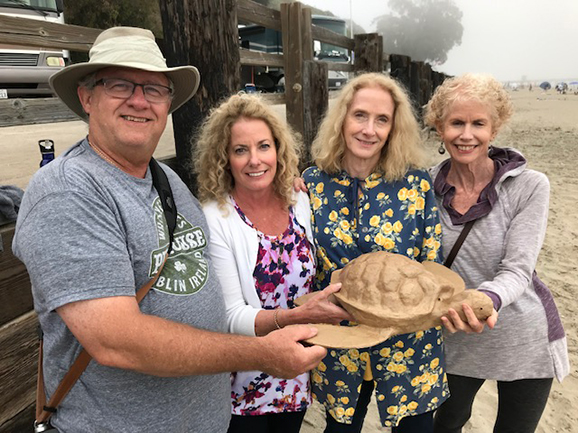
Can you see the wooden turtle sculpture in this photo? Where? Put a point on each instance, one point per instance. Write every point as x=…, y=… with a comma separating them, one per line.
x=390, y=294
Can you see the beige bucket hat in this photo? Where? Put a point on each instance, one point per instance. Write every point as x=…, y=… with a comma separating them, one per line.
x=127, y=47
x=390, y=294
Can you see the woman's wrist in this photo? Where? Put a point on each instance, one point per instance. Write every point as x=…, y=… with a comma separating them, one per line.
x=285, y=317
x=276, y=318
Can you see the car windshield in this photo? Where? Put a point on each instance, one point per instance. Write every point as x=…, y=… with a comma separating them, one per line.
x=39, y=5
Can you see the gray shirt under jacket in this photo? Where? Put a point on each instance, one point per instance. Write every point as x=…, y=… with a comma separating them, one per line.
x=499, y=256
x=87, y=230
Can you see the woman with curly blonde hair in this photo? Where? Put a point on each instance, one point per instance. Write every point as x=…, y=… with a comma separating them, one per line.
x=211, y=158
x=491, y=192
x=262, y=247
x=369, y=192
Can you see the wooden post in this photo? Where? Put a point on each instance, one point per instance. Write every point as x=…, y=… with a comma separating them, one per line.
x=386, y=63
x=414, y=84
x=425, y=85
x=437, y=79
x=202, y=33
x=306, y=33
x=316, y=95
x=368, y=53
x=297, y=48
x=401, y=69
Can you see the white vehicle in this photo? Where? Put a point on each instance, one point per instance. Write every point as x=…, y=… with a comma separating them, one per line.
x=24, y=71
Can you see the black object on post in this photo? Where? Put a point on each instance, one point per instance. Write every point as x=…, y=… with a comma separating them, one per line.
x=46, y=150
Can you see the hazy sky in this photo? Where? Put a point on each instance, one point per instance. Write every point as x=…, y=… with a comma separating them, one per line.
x=509, y=39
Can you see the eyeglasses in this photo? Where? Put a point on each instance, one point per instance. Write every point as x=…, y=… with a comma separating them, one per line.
x=124, y=89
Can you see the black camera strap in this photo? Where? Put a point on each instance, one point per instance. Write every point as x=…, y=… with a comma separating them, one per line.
x=163, y=187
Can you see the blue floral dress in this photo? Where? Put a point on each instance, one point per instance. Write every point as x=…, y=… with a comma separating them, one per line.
x=285, y=270
x=352, y=217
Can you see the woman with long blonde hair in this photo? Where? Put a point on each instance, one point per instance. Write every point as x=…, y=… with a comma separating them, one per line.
x=368, y=193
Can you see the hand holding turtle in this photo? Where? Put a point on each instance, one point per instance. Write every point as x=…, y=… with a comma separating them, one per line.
x=284, y=356
x=322, y=308
x=454, y=323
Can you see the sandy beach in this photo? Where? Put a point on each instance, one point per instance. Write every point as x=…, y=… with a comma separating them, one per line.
x=544, y=128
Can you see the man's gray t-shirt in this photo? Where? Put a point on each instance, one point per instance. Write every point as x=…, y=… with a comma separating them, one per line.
x=88, y=230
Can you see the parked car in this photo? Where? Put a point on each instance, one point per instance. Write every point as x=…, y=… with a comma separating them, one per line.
x=337, y=80
x=24, y=71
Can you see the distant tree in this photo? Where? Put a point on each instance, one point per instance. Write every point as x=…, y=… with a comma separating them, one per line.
x=109, y=13
x=425, y=30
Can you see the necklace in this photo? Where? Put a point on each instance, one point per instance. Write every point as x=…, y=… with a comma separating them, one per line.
x=103, y=155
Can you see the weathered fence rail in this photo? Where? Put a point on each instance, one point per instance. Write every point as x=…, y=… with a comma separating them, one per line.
x=18, y=340
x=306, y=99
x=43, y=34
x=19, y=111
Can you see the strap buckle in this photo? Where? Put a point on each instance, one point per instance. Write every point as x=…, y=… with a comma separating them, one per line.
x=40, y=427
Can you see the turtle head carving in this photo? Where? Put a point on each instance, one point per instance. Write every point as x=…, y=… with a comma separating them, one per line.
x=480, y=303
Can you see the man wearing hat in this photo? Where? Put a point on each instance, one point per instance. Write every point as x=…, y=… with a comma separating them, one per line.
x=91, y=231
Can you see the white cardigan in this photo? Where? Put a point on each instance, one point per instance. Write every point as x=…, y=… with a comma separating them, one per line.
x=233, y=247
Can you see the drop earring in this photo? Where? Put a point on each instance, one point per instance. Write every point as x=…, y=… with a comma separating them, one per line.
x=441, y=149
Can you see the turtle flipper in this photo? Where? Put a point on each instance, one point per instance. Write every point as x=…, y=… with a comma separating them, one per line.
x=348, y=337
x=335, y=276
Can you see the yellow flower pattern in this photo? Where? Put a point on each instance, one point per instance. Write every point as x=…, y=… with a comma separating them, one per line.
x=352, y=217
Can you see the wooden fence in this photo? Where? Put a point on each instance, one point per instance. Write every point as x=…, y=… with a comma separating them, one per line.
x=306, y=99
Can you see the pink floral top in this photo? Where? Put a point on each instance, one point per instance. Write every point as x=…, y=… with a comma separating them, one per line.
x=284, y=271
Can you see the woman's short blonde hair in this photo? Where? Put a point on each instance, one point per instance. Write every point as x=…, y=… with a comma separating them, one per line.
x=470, y=87
x=403, y=149
x=210, y=154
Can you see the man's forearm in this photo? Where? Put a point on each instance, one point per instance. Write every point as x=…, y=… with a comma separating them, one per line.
x=117, y=334
x=165, y=348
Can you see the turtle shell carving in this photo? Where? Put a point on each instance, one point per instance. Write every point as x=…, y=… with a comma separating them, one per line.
x=390, y=294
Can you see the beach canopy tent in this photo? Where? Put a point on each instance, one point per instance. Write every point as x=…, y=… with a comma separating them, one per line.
x=545, y=85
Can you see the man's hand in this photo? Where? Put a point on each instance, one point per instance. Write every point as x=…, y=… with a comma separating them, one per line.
x=454, y=323
x=283, y=354
x=299, y=185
